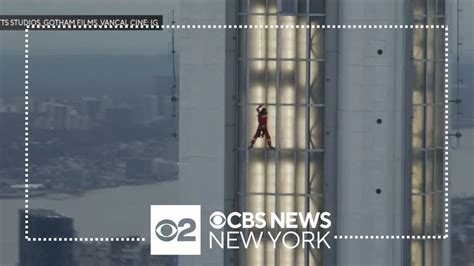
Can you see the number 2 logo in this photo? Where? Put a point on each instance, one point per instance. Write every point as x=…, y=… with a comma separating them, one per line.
x=167, y=230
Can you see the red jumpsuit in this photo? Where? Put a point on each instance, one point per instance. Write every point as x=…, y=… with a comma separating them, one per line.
x=262, y=127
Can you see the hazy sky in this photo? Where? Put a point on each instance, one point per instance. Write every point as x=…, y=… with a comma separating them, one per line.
x=153, y=42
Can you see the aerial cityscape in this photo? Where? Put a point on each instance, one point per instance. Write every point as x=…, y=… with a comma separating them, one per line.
x=86, y=143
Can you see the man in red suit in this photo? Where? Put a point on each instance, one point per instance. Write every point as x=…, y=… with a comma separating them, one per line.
x=262, y=129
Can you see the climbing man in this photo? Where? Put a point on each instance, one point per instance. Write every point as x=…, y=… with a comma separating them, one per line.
x=262, y=127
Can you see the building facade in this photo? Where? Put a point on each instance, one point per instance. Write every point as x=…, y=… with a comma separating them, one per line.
x=46, y=223
x=355, y=115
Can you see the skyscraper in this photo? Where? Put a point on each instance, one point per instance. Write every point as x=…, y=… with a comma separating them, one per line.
x=45, y=223
x=356, y=116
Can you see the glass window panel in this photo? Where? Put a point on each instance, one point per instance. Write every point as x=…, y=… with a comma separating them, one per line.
x=315, y=204
x=272, y=38
x=439, y=173
x=419, y=20
x=316, y=171
x=439, y=82
x=287, y=165
x=256, y=6
x=301, y=84
x=430, y=131
x=300, y=176
x=438, y=250
x=291, y=203
x=288, y=129
x=287, y=6
x=419, y=8
x=301, y=37
x=270, y=172
x=430, y=41
x=438, y=44
x=419, y=43
x=287, y=38
x=429, y=252
x=419, y=82
x=431, y=7
x=316, y=79
x=417, y=214
x=285, y=255
x=416, y=253
x=317, y=38
x=257, y=203
x=257, y=37
x=256, y=255
x=315, y=257
x=418, y=127
x=271, y=94
x=439, y=126
x=316, y=127
x=270, y=207
x=430, y=85
x=438, y=213
x=288, y=82
x=417, y=172
x=288, y=203
x=429, y=172
x=428, y=230
x=256, y=172
x=301, y=135
x=431, y=20
x=256, y=90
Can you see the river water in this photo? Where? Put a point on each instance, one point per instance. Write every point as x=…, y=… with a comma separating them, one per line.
x=109, y=212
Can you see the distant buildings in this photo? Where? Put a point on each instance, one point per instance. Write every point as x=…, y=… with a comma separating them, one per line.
x=150, y=168
x=45, y=223
x=147, y=109
x=85, y=112
x=92, y=108
x=124, y=253
x=119, y=116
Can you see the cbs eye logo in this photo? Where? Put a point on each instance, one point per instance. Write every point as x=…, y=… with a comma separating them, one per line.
x=175, y=229
x=217, y=220
x=168, y=230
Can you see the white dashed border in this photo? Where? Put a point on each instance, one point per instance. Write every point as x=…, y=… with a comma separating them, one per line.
x=175, y=26
x=27, y=61
x=382, y=237
x=446, y=133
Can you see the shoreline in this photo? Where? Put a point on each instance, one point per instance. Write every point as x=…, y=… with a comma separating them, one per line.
x=75, y=192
